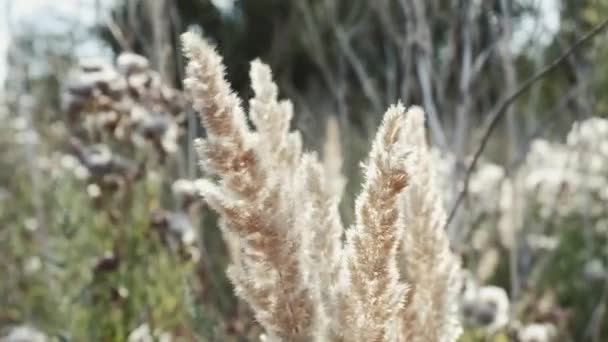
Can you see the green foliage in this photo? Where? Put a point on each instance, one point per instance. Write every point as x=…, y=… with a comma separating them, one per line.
x=71, y=294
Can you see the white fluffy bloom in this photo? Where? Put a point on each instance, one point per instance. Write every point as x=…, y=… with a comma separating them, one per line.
x=484, y=188
x=486, y=306
x=24, y=333
x=143, y=333
x=536, y=332
x=128, y=62
x=571, y=177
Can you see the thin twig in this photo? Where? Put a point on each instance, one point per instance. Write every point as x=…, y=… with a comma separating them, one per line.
x=508, y=101
x=369, y=90
x=118, y=34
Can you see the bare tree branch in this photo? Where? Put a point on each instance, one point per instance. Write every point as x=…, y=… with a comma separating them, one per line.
x=118, y=34
x=508, y=101
x=360, y=71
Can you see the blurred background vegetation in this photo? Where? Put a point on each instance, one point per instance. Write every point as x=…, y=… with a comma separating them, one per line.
x=101, y=241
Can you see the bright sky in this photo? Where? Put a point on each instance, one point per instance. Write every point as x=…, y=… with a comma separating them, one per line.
x=4, y=41
x=47, y=16
x=541, y=30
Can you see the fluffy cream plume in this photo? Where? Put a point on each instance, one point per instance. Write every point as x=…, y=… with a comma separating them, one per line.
x=332, y=157
x=428, y=266
x=272, y=119
x=321, y=234
x=225, y=148
x=394, y=280
x=372, y=298
x=250, y=199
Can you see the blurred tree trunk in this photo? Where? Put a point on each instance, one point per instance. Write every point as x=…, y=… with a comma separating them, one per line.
x=162, y=52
